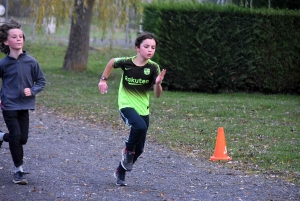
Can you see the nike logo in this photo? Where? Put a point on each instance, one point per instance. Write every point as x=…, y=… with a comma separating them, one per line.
x=127, y=68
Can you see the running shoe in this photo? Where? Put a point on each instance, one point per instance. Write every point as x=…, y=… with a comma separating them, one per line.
x=19, y=178
x=127, y=159
x=120, y=178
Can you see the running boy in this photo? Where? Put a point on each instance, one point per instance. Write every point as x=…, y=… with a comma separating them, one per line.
x=22, y=79
x=140, y=74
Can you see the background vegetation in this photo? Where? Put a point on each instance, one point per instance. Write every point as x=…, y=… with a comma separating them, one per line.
x=211, y=48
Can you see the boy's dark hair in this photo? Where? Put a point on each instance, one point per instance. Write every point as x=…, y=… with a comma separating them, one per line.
x=143, y=36
x=4, y=28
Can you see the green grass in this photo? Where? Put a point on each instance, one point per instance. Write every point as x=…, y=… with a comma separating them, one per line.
x=262, y=131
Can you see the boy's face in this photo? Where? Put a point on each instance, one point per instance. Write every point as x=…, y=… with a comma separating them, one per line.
x=147, y=48
x=15, y=39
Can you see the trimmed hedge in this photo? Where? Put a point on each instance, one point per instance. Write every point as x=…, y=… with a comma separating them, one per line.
x=212, y=48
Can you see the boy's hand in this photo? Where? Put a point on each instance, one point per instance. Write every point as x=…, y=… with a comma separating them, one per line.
x=102, y=86
x=160, y=77
x=27, y=92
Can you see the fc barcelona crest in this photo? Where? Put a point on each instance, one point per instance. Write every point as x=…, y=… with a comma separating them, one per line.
x=147, y=71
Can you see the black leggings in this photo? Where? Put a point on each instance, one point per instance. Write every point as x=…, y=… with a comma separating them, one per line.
x=138, y=130
x=17, y=122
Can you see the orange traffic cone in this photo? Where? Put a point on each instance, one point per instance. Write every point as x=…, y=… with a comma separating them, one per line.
x=220, y=150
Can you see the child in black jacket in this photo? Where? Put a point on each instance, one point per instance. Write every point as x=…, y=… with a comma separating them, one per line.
x=22, y=79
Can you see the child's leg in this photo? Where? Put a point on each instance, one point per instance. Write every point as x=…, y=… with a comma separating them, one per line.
x=119, y=174
x=15, y=146
x=138, y=129
x=23, y=119
x=3, y=137
x=139, y=148
x=17, y=123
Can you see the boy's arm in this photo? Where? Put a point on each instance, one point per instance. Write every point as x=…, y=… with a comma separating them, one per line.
x=102, y=86
x=157, y=90
x=157, y=87
x=39, y=81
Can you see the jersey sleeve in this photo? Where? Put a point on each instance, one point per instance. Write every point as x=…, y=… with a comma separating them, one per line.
x=119, y=62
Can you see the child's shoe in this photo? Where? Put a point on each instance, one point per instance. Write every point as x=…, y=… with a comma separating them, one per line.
x=120, y=178
x=127, y=159
x=19, y=178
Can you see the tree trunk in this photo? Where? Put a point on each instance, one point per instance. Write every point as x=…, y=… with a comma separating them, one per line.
x=79, y=40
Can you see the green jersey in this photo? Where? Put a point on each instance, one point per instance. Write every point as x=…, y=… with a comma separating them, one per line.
x=136, y=83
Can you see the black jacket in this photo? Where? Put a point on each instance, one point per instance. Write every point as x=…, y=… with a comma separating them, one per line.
x=18, y=74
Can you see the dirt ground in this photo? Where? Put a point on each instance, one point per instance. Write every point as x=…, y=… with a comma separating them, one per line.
x=72, y=160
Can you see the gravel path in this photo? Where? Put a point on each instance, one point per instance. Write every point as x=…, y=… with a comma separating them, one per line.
x=72, y=160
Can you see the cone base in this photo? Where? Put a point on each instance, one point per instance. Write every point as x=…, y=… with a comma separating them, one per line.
x=213, y=158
